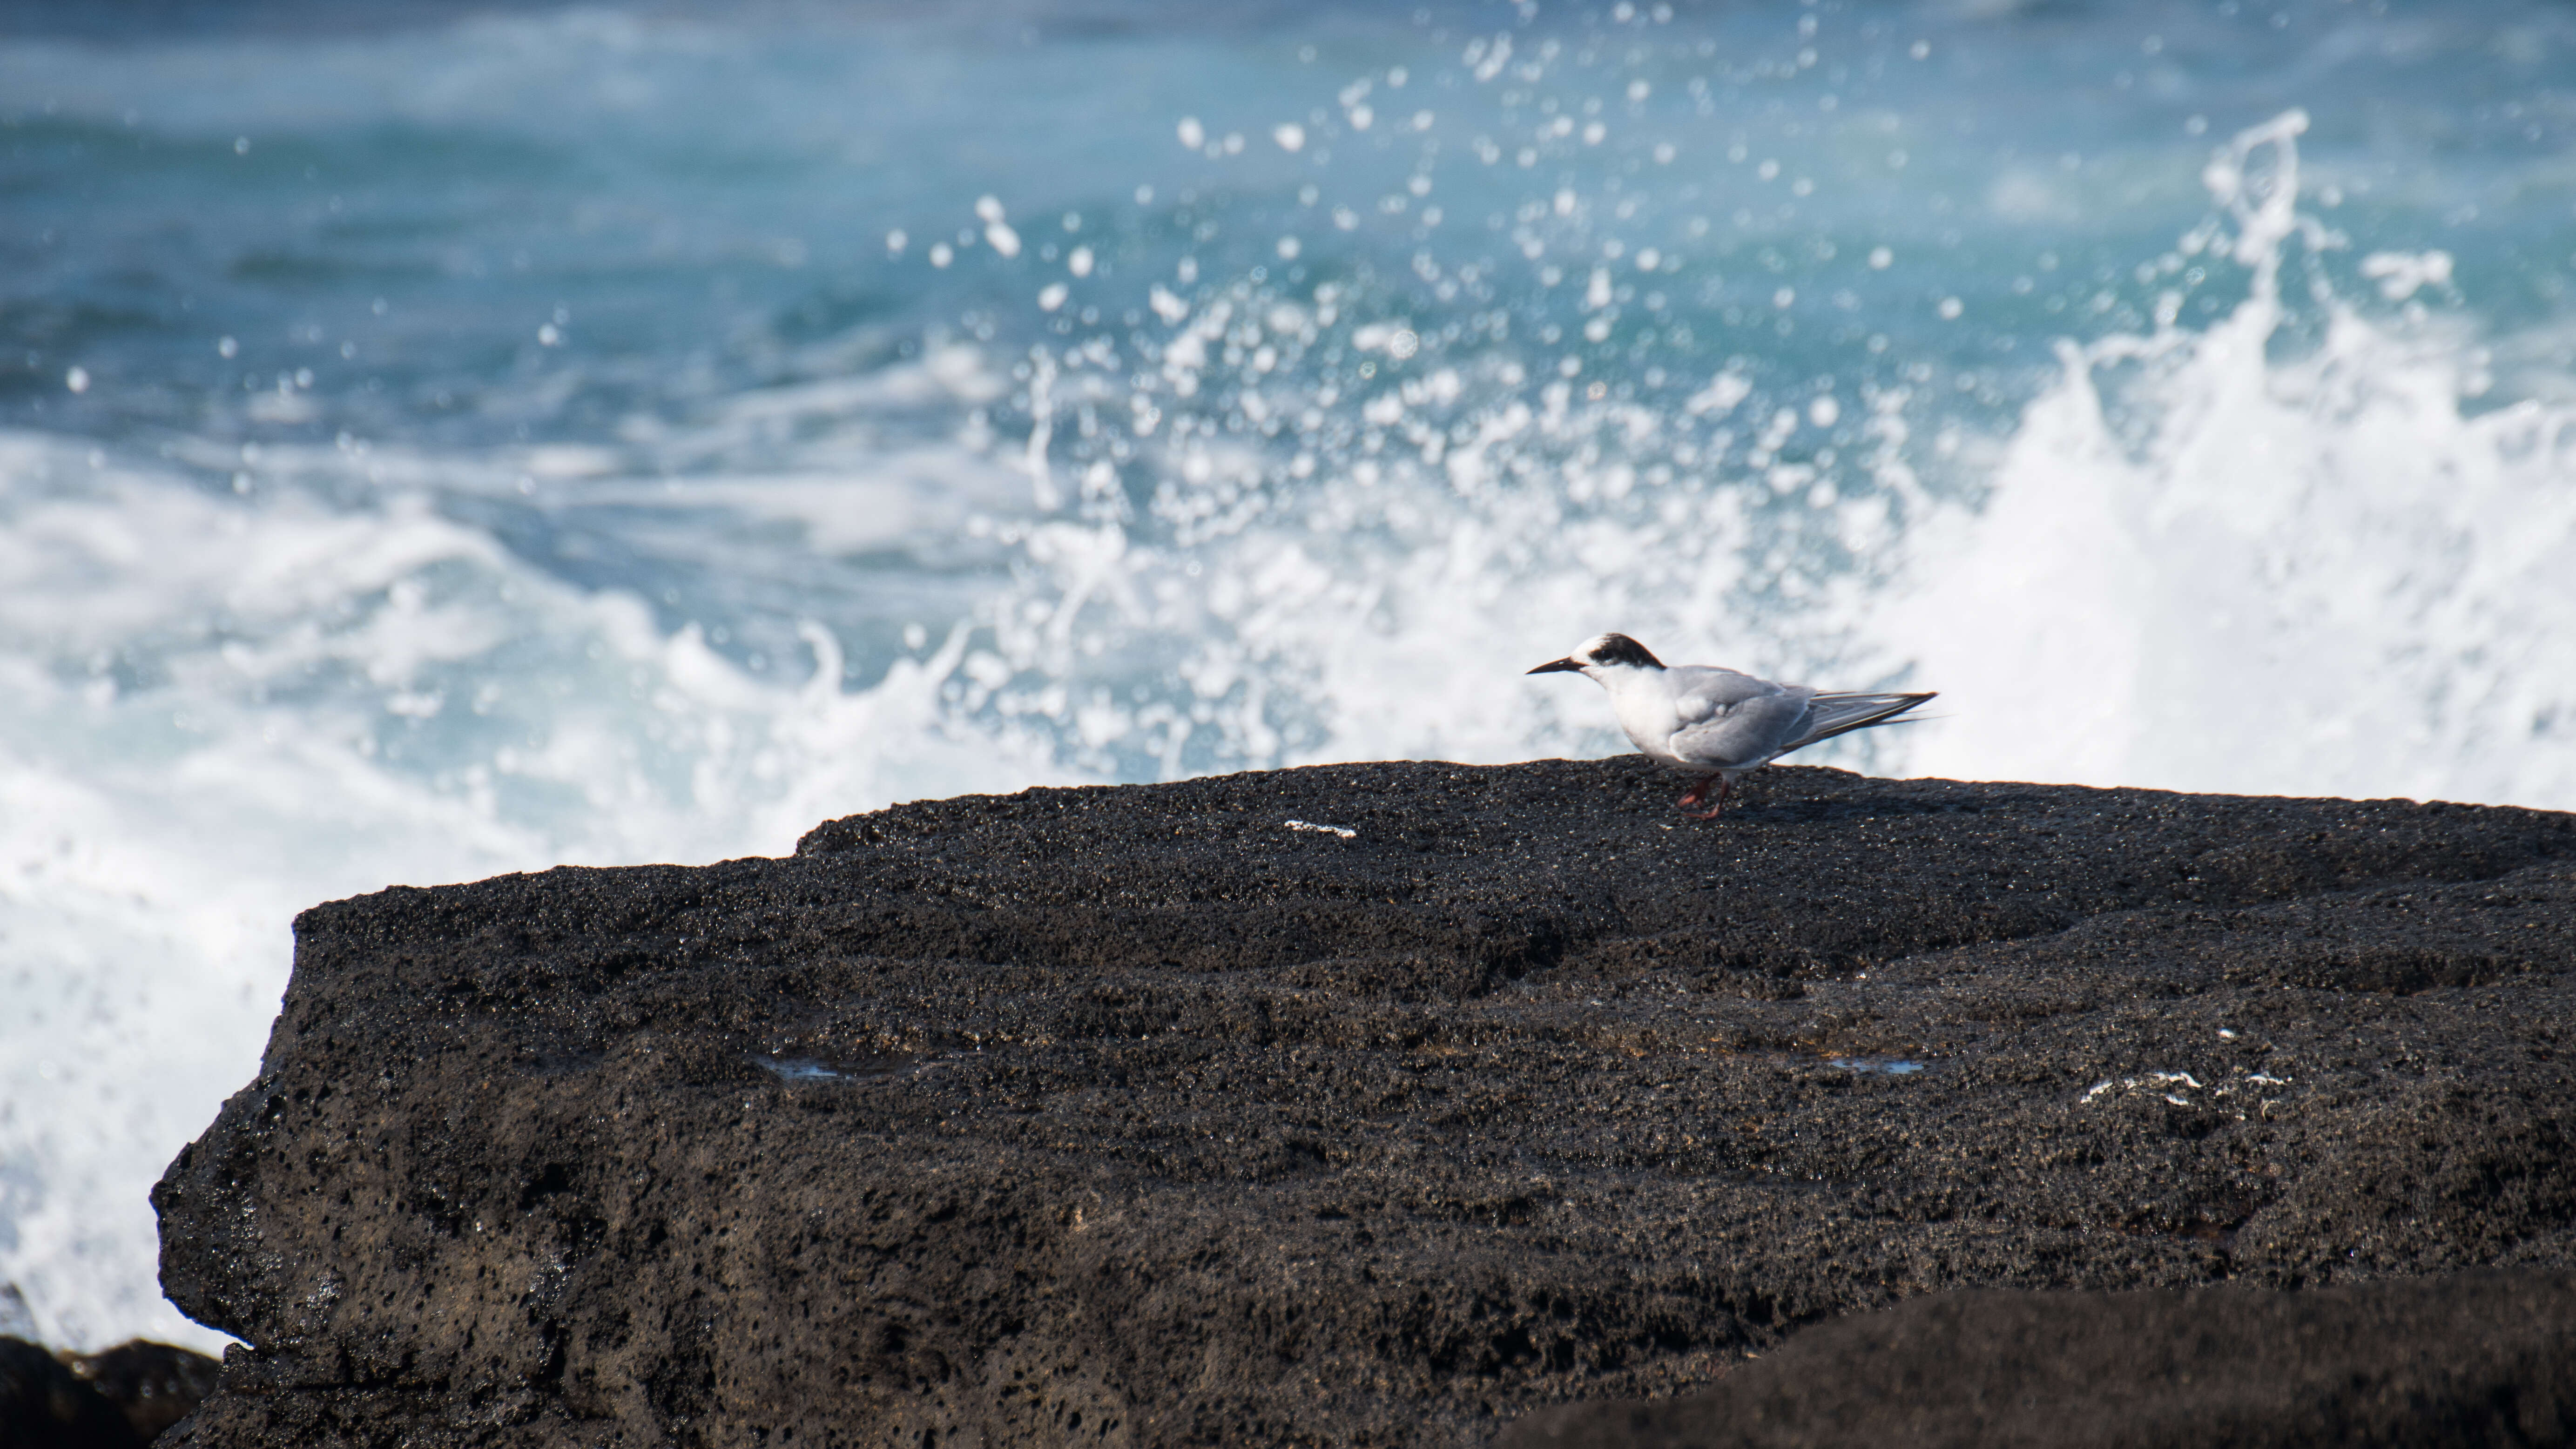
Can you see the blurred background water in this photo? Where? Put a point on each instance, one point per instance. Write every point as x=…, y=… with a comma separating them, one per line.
x=446, y=439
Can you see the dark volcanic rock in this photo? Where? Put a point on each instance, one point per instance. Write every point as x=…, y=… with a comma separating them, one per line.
x=119, y=1398
x=154, y=1385
x=2477, y=1359
x=1133, y=1116
x=44, y=1405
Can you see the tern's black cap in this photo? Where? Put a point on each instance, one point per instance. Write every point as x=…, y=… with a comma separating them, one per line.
x=1605, y=649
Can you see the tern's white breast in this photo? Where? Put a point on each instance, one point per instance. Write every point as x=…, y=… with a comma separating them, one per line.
x=1645, y=709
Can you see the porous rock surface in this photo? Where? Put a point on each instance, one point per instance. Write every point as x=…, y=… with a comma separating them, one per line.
x=1137, y=1116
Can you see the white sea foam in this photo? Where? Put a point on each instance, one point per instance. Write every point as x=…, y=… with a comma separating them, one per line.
x=2208, y=565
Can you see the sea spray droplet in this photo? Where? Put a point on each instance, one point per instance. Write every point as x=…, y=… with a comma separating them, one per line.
x=77, y=379
x=997, y=230
x=2401, y=274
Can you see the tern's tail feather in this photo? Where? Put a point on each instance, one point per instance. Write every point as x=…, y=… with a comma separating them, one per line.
x=1829, y=715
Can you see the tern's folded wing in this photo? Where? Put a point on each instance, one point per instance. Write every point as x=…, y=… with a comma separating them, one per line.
x=1742, y=735
x=1701, y=692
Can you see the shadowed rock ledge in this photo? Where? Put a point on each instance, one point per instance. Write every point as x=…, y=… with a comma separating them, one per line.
x=2485, y=1358
x=1135, y=1116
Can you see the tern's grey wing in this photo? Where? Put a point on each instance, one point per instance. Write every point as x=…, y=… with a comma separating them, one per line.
x=1701, y=692
x=1744, y=732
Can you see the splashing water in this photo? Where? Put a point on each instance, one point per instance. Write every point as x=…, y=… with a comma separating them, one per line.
x=474, y=445
x=2213, y=561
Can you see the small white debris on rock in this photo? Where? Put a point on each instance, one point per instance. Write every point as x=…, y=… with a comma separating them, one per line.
x=2163, y=1084
x=1342, y=831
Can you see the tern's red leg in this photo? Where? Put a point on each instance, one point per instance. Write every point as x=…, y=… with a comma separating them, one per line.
x=1698, y=792
x=1723, y=785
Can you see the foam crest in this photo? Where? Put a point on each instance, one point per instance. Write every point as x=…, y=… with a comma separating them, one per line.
x=2241, y=560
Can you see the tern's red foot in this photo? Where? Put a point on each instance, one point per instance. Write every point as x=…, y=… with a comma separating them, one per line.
x=1711, y=813
x=1699, y=792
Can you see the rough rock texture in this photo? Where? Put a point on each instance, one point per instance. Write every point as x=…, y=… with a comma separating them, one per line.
x=1134, y=1116
x=2483, y=1358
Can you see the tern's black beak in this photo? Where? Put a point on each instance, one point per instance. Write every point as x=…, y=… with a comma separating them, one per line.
x=1559, y=666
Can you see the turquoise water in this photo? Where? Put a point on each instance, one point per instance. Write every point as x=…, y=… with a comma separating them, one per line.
x=468, y=440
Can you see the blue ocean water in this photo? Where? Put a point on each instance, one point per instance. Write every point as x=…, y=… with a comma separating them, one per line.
x=460, y=440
